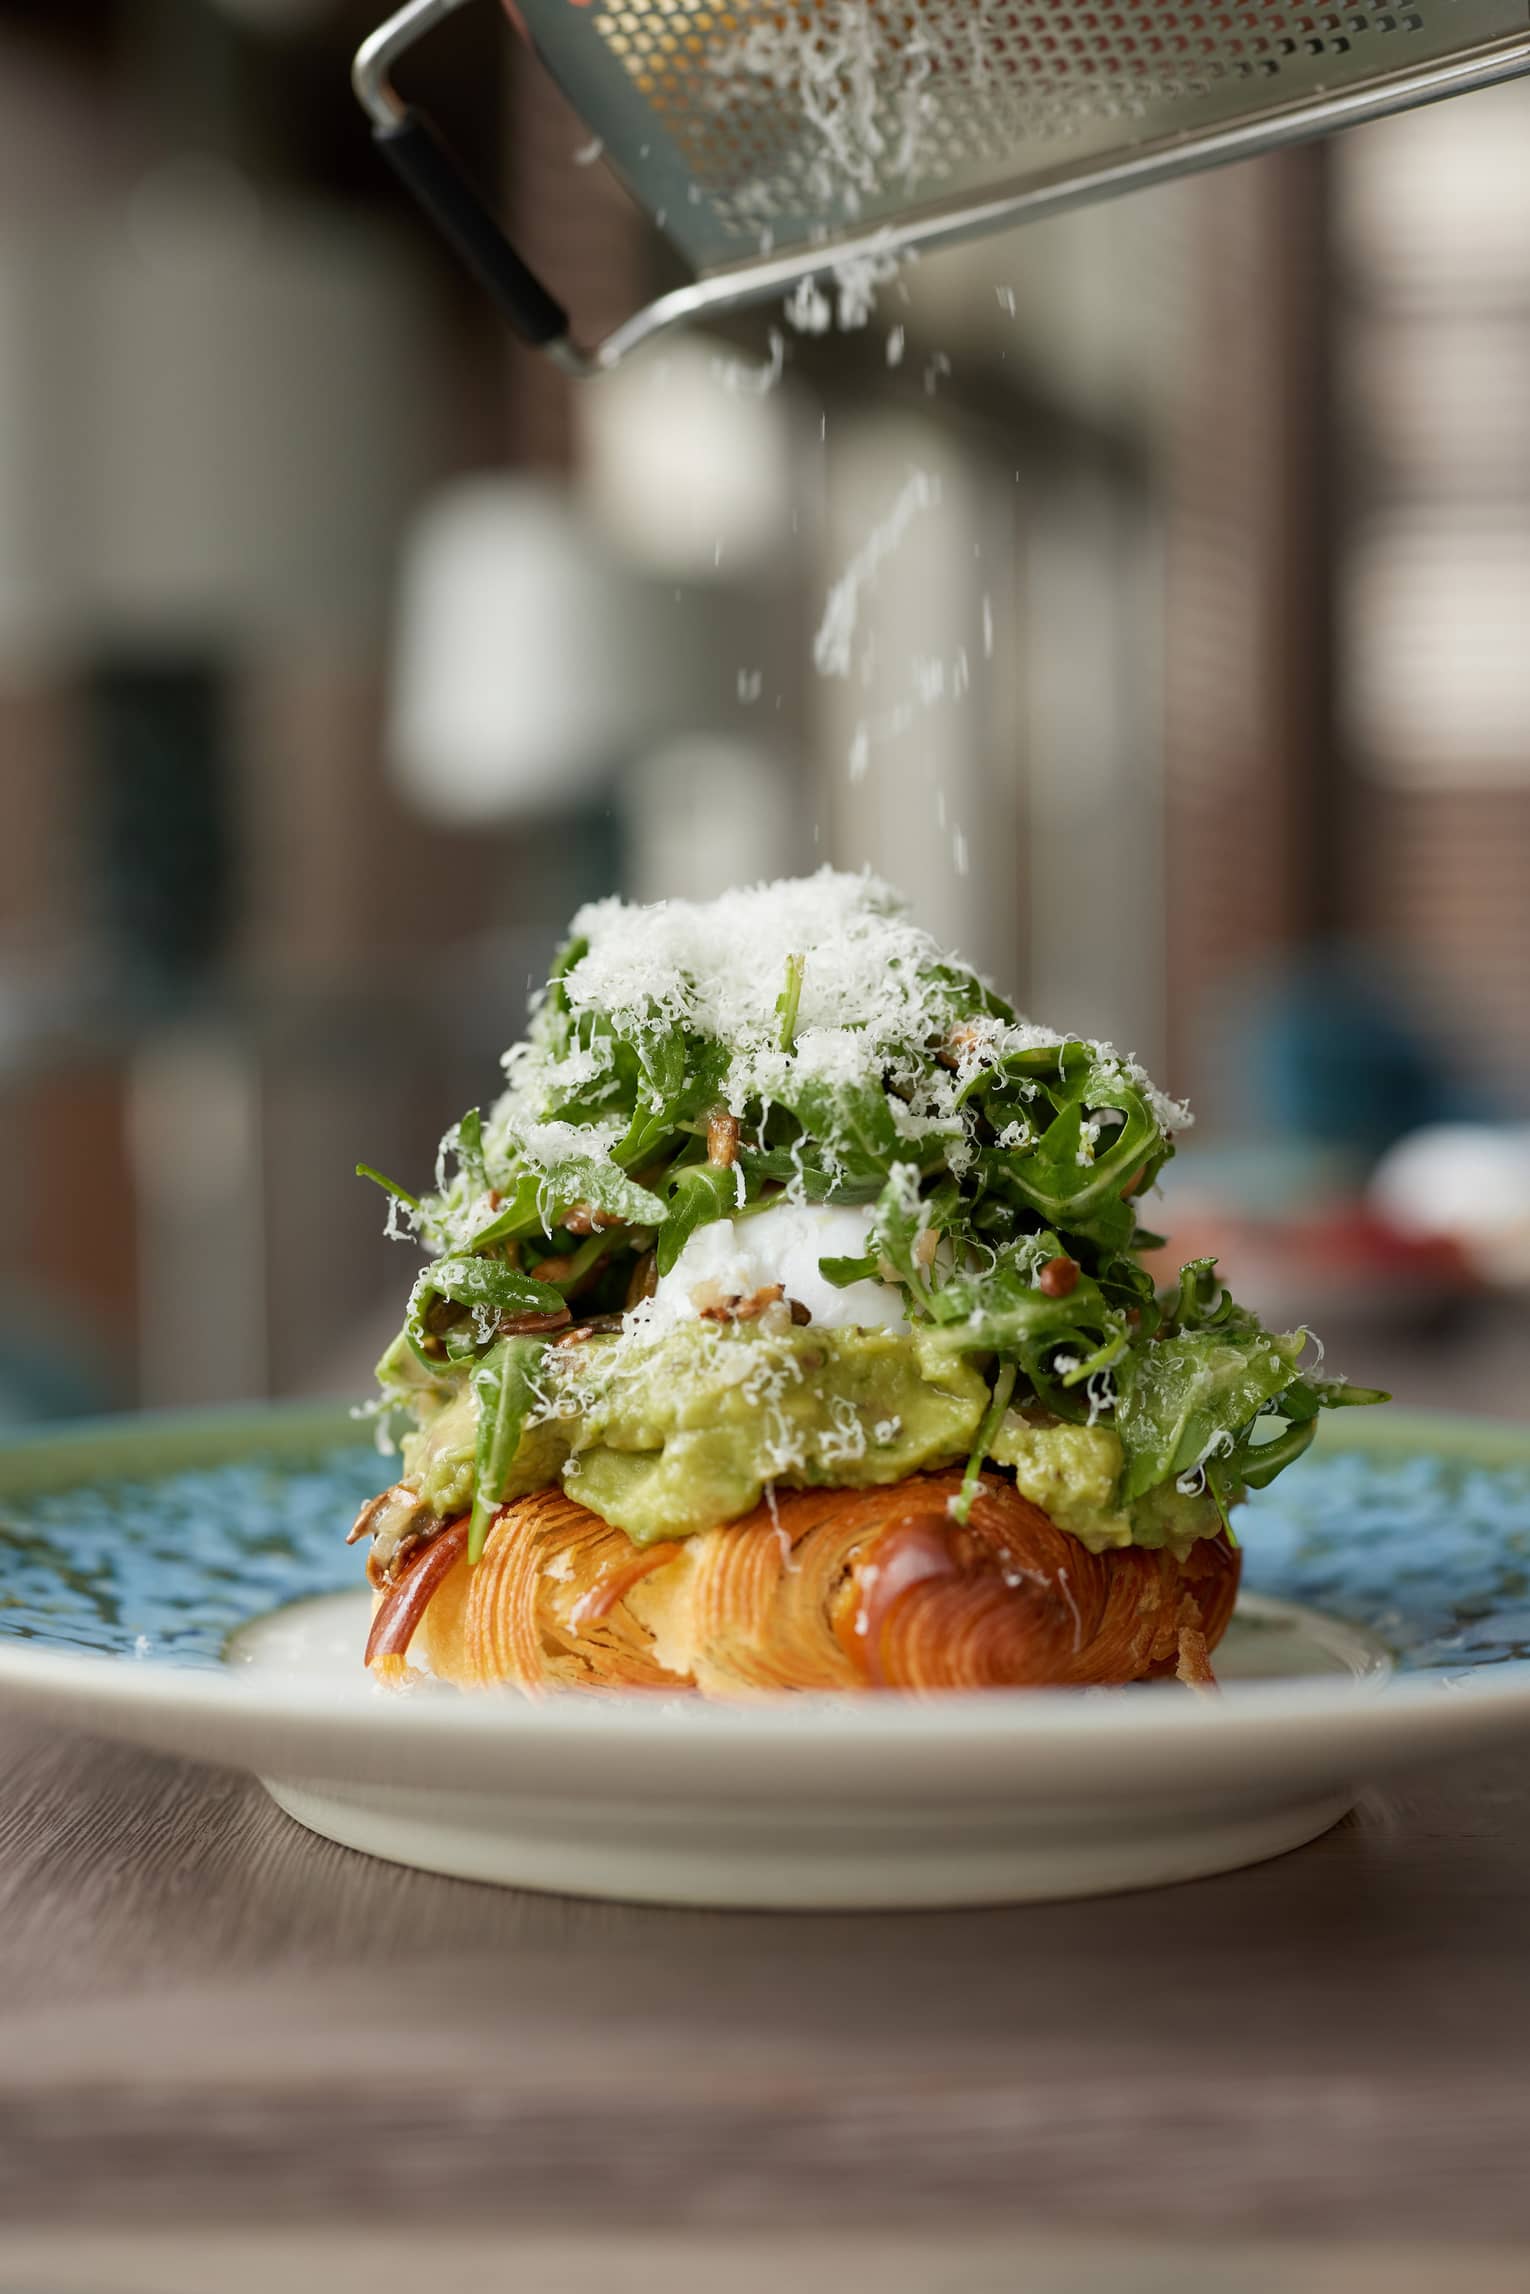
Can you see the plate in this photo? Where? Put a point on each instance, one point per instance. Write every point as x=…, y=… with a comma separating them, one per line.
x=184, y=1584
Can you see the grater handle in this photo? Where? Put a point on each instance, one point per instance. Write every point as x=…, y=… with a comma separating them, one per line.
x=420, y=159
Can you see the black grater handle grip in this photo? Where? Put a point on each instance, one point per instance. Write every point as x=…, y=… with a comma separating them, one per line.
x=421, y=161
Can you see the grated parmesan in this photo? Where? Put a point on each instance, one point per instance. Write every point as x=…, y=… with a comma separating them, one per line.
x=871, y=1002
x=836, y=633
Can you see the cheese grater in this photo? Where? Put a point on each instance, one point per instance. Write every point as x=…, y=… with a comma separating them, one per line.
x=780, y=142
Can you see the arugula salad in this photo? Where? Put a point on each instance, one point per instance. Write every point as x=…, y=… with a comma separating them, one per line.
x=779, y=1194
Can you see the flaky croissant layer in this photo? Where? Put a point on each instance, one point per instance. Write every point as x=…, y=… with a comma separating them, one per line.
x=821, y=1589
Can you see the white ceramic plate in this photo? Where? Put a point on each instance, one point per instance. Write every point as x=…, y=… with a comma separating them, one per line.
x=183, y=1584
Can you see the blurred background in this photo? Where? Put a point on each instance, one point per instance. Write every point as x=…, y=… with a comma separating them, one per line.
x=344, y=649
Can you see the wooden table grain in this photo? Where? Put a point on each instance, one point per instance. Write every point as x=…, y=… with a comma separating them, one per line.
x=211, y=2019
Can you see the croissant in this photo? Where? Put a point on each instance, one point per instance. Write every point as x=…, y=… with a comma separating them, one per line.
x=818, y=1589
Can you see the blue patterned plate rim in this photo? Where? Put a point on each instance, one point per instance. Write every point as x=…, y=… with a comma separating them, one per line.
x=1483, y=1526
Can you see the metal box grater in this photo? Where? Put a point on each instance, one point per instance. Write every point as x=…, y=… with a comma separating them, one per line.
x=775, y=143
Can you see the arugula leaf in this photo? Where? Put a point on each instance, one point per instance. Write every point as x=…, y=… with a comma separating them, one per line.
x=1004, y=1313
x=555, y=1017
x=540, y=1200
x=519, y=1214
x=388, y=1186
x=699, y=1193
x=1178, y=1397
x=1254, y=1465
x=487, y=1288
x=902, y=1217
x=680, y=1080
x=468, y=1140
x=778, y=1166
x=1307, y=1396
x=580, y=1179
x=402, y=1375
x=789, y=1000
x=852, y=1127
x=1072, y=1183
x=1090, y=1143
x=965, y=995
x=843, y=1272
x=664, y=1059
x=1200, y=1301
x=504, y=1383
x=993, y=1418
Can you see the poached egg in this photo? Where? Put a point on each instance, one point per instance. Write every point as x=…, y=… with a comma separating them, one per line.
x=782, y=1245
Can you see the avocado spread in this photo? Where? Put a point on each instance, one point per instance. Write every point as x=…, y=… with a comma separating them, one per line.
x=1074, y=1474
x=439, y=1459
x=672, y=1438
x=678, y=1436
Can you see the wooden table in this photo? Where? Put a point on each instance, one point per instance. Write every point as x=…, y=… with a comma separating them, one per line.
x=233, y=2055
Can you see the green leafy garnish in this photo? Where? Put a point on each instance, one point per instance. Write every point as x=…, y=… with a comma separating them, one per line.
x=1177, y=1398
x=485, y=1290
x=698, y=1194
x=388, y=1186
x=504, y=1387
x=993, y=1418
x=789, y=1002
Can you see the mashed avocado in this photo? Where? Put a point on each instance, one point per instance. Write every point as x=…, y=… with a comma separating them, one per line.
x=674, y=1437
x=1074, y=1472
x=686, y=1433
x=439, y=1458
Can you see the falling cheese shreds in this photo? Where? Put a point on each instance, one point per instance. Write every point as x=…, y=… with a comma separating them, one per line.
x=753, y=381
x=808, y=308
x=833, y=646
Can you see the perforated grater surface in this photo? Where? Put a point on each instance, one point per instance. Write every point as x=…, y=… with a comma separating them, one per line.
x=822, y=138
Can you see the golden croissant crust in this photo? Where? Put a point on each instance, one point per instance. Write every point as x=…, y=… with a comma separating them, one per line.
x=822, y=1589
